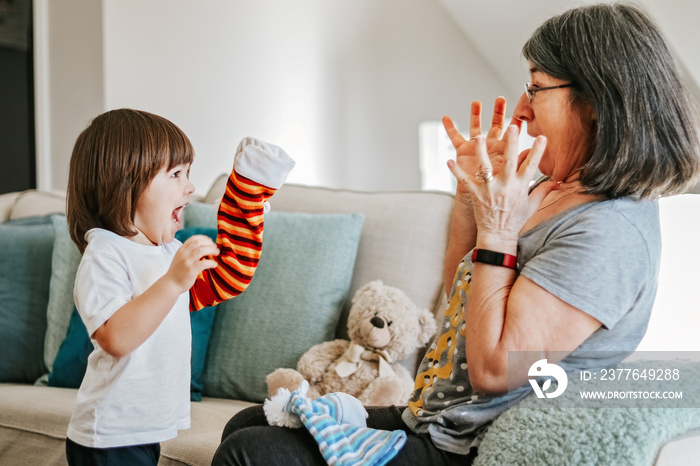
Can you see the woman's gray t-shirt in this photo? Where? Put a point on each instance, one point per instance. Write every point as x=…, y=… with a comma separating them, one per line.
x=602, y=258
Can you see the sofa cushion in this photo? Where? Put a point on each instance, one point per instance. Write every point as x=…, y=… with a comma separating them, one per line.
x=25, y=270
x=292, y=303
x=65, y=258
x=34, y=420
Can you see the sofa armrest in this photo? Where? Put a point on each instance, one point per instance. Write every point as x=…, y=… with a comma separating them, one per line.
x=7, y=201
x=30, y=203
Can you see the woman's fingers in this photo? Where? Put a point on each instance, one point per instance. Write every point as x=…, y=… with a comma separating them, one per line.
x=456, y=138
x=483, y=162
x=497, y=123
x=498, y=120
x=460, y=175
x=528, y=167
x=510, y=167
x=538, y=194
x=475, y=120
x=483, y=155
x=517, y=123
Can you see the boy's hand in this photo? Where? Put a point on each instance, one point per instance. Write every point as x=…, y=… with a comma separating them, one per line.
x=190, y=260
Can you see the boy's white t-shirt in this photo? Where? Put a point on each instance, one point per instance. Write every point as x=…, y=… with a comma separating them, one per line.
x=144, y=397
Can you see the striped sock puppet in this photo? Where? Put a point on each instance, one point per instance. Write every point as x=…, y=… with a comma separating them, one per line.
x=259, y=170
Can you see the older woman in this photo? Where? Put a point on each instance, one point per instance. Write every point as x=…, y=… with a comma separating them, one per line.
x=565, y=271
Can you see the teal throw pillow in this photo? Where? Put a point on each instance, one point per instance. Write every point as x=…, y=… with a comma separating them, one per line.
x=70, y=362
x=201, y=322
x=25, y=270
x=292, y=303
x=200, y=214
x=64, y=265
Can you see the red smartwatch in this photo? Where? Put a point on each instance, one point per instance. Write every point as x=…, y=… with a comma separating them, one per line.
x=487, y=256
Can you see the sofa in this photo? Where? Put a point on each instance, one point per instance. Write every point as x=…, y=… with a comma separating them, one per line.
x=320, y=246
x=401, y=240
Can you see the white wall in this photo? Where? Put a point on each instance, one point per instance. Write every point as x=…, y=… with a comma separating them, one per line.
x=342, y=85
x=68, y=81
x=498, y=30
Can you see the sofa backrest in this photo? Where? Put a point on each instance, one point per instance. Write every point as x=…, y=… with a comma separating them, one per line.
x=403, y=238
x=402, y=243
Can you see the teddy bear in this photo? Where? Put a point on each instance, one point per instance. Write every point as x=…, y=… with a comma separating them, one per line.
x=384, y=326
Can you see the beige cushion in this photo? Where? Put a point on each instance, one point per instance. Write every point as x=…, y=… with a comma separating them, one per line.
x=34, y=420
x=395, y=222
x=198, y=444
x=33, y=423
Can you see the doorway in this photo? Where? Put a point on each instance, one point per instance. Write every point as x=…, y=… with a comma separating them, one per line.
x=17, y=146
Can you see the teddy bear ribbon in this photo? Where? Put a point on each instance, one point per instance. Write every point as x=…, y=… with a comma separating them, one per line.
x=350, y=361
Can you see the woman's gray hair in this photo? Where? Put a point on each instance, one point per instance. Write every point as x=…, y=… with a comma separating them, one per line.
x=646, y=140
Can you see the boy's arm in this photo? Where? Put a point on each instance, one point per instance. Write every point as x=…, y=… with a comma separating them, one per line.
x=259, y=170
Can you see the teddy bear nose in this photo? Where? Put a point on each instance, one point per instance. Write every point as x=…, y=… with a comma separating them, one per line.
x=377, y=322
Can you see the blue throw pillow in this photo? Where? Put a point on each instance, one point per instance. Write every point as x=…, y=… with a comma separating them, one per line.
x=25, y=271
x=292, y=303
x=64, y=265
x=201, y=322
x=71, y=361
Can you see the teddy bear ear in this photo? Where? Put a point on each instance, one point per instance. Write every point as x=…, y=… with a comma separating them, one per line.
x=374, y=285
x=427, y=325
x=364, y=289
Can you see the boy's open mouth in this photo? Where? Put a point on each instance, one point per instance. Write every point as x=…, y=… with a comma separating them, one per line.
x=177, y=215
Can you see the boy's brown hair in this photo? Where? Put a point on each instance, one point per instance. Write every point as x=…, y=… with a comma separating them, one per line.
x=113, y=162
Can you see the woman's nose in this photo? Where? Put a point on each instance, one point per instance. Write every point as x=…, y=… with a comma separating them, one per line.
x=523, y=109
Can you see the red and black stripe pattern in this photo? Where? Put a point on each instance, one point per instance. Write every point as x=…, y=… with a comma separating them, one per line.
x=240, y=224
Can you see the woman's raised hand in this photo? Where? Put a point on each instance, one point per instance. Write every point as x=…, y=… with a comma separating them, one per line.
x=495, y=146
x=500, y=199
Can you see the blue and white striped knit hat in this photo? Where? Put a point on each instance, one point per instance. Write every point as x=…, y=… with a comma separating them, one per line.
x=337, y=423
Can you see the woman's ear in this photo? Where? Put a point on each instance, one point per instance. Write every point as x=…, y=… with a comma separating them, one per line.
x=588, y=115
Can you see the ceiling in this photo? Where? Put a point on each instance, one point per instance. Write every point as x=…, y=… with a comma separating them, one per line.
x=500, y=47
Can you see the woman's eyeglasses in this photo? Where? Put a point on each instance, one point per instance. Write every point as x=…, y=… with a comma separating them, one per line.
x=531, y=91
